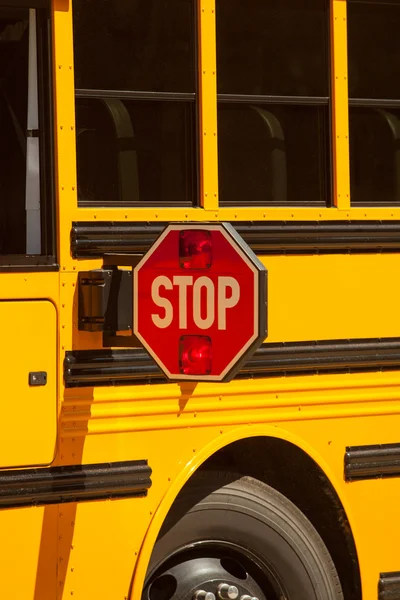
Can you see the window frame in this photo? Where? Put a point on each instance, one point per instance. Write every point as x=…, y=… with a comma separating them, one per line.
x=191, y=98
x=209, y=208
x=47, y=259
x=382, y=103
x=295, y=100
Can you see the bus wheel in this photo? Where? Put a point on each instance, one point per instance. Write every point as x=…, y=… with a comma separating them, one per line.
x=238, y=539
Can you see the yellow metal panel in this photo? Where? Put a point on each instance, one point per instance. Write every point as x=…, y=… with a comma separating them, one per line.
x=177, y=426
x=169, y=407
x=234, y=214
x=332, y=297
x=65, y=151
x=340, y=111
x=28, y=553
x=29, y=413
x=374, y=503
x=25, y=286
x=100, y=538
x=208, y=105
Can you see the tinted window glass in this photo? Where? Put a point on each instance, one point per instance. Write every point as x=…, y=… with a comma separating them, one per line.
x=374, y=63
x=134, y=151
x=14, y=38
x=273, y=150
x=273, y=154
x=134, y=45
x=375, y=155
x=374, y=49
x=138, y=146
x=25, y=198
x=274, y=47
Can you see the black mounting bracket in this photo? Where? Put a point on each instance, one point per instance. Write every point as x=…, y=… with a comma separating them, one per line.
x=105, y=300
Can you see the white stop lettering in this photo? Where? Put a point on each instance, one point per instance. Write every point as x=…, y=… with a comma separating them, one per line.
x=228, y=296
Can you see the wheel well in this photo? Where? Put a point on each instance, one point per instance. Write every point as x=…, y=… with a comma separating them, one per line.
x=294, y=474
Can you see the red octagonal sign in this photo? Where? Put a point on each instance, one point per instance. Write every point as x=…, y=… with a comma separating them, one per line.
x=200, y=302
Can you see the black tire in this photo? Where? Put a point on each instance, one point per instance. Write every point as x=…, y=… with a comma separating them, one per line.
x=251, y=515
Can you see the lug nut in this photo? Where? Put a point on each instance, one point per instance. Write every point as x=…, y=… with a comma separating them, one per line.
x=202, y=595
x=246, y=597
x=227, y=592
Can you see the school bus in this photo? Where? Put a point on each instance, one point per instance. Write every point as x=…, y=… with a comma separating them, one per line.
x=282, y=119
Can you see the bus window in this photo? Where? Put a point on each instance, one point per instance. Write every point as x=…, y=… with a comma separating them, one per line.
x=374, y=97
x=273, y=102
x=135, y=79
x=25, y=226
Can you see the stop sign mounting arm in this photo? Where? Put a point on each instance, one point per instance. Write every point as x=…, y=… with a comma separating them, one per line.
x=105, y=301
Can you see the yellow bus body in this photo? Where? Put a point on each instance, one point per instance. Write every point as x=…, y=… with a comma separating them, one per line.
x=101, y=549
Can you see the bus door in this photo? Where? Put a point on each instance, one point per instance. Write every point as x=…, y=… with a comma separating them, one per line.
x=28, y=270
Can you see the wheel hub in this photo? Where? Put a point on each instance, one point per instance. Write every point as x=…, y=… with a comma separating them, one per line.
x=207, y=573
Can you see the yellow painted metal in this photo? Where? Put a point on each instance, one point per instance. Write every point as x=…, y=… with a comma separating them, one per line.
x=63, y=548
x=208, y=106
x=64, y=127
x=332, y=297
x=28, y=553
x=236, y=214
x=29, y=335
x=25, y=286
x=340, y=111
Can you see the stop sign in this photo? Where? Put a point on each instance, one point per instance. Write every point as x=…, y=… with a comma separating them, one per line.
x=200, y=301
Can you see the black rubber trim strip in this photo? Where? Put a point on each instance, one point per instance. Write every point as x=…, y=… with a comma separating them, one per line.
x=134, y=95
x=260, y=99
x=75, y=483
x=135, y=366
x=94, y=239
x=22, y=263
x=372, y=462
x=375, y=102
x=29, y=268
x=389, y=586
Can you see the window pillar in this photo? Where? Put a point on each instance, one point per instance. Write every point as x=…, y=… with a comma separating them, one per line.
x=208, y=106
x=340, y=115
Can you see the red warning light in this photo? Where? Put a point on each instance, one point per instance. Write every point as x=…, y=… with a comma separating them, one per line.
x=195, y=249
x=195, y=355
